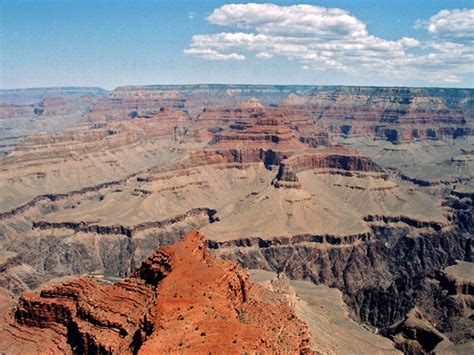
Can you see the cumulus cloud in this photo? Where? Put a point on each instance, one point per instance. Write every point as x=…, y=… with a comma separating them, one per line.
x=298, y=20
x=409, y=42
x=453, y=25
x=332, y=39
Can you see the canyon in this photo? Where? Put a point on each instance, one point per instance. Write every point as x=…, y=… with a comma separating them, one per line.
x=170, y=304
x=351, y=206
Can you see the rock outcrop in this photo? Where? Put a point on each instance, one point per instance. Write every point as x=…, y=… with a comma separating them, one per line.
x=380, y=273
x=415, y=335
x=377, y=221
x=394, y=114
x=447, y=301
x=442, y=315
x=337, y=160
x=179, y=300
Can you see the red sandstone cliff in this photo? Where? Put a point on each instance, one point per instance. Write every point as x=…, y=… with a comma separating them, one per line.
x=179, y=300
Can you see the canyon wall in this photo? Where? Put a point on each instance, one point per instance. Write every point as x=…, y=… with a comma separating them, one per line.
x=383, y=274
x=170, y=304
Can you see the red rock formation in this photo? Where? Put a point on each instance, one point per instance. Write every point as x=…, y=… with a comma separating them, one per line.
x=253, y=134
x=395, y=114
x=320, y=139
x=179, y=300
x=235, y=156
x=264, y=133
x=336, y=158
x=124, y=103
x=98, y=137
x=217, y=308
x=252, y=123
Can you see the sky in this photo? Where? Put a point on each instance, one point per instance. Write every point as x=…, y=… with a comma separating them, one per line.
x=347, y=42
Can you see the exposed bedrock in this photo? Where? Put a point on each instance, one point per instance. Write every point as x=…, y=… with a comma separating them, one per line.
x=463, y=203
x=442, y=318
x=393, y=114
x=378, y=276
x=334, y=160
x=61, y=255
x=69, y=248
x=444, y=307
x=319, y=139
x=125, y=230
x=166, y=306
x=407, y=263
x=415, y=334
x=60, y=196
x=397, y=135
x=337, y=158
x=448, y=302
x=239, y=156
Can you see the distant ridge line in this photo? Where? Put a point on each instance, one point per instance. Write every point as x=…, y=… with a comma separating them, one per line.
x=57, y=88
x=282, y=86
x=222, y=86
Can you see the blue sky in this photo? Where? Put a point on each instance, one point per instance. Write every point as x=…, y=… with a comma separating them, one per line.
x=114, y=43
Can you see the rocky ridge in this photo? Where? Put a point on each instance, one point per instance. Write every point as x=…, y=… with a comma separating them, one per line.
x=394, y=114
x=170, y=304
x=370, y=224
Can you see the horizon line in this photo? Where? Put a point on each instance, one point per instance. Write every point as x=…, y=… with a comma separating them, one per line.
x=92, y=87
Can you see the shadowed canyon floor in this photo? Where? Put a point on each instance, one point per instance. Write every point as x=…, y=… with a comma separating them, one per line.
x=362, y=197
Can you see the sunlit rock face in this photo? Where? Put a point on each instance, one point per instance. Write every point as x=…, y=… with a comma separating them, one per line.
x=364, y=190
x=179, y=296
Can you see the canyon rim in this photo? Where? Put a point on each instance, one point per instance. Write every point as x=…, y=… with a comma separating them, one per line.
x=209, y=177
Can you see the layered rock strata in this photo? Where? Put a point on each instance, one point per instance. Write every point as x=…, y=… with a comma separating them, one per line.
x=394, y=114
x=380, y=273
x=172, y=303
x=336, y=159
x=442, y=320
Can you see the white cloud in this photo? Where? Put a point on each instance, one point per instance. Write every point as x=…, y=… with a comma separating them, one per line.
x=332, y=39
x=298, y=20
x=409, y=42
x=453, y=25
x=213, y=54
x=264, y=55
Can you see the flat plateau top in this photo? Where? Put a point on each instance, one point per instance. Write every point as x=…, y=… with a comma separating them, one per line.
x=463, y=270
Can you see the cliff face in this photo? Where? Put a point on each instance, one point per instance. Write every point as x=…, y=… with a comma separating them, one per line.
x=58, y=249
x=394, y=114
x=179, y=300
x=336, y=159
x=383, y=274
x=392, y=100
x=443, y=313
x=377, y=276
x=121, y=105
x=99, y=198
x=235, y=156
